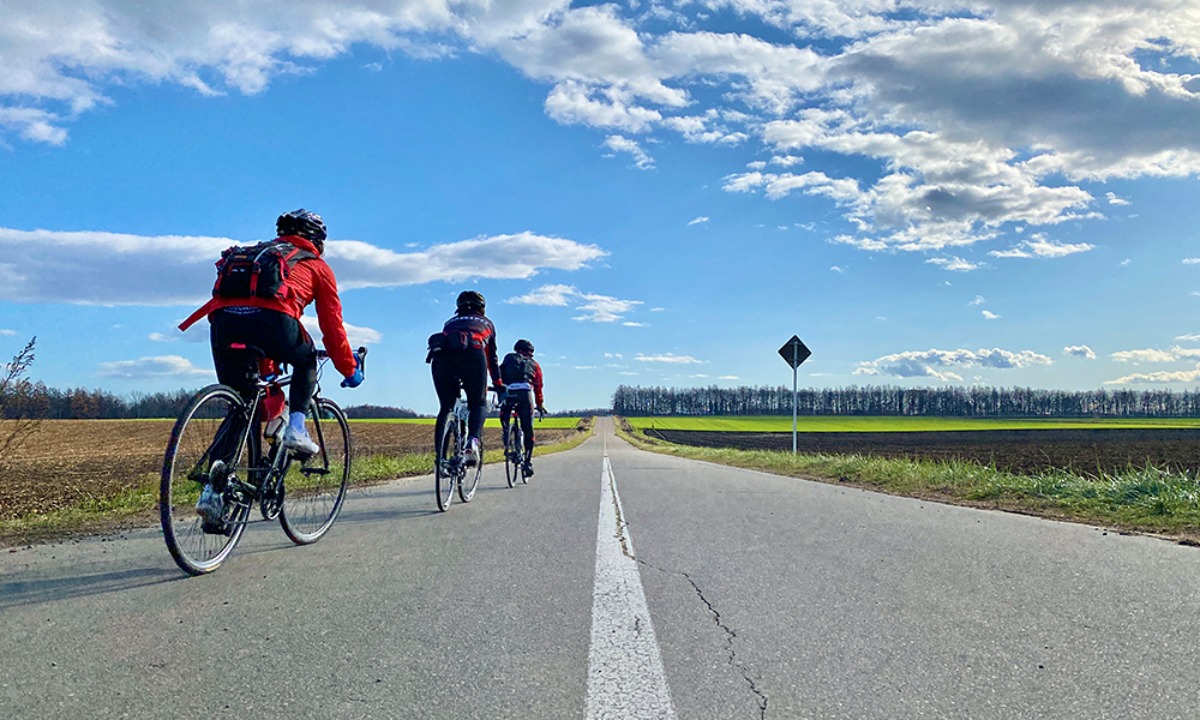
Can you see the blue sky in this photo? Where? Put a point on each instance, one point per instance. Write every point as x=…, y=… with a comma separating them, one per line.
x=653, y=192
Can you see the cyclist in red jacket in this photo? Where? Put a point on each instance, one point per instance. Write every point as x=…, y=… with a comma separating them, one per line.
x=273, y=325
x=462, y=356
x=522, y=376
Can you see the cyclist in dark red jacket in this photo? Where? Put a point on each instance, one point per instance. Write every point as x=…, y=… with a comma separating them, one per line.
x=463, y=355
x=522, y=376
x=273, y=325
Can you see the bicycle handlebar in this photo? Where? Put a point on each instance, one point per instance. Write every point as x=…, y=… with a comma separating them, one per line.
x=360, y=354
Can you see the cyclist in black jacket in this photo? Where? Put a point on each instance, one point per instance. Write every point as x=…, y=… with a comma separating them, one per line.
x=466, y=358
x=522, y=376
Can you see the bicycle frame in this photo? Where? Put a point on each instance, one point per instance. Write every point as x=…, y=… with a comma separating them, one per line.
x=267, y=490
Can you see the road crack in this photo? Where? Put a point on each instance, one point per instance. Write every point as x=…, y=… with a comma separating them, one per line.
x=730, y=634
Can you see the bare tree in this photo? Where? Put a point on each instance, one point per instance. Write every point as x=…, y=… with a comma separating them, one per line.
x=18, y=416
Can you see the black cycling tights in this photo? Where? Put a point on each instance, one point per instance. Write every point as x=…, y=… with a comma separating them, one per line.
x=466, y=369
x=522, y=400
x=280, y=336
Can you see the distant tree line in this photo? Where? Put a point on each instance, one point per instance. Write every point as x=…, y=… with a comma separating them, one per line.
x=378, y=412
x=890, y=400
x=36, y=400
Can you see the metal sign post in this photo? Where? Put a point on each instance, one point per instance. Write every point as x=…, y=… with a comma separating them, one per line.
x=794, y=352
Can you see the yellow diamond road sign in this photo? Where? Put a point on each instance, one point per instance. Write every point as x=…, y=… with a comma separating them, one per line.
x=794, y=351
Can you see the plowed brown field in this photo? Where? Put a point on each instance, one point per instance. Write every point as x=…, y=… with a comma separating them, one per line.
x=66, y=461
x=1018, y=451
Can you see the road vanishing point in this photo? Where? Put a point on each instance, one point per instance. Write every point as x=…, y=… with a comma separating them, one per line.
x=618, y=584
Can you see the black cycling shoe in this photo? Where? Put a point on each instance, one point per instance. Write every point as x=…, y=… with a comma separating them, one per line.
x=217, y=528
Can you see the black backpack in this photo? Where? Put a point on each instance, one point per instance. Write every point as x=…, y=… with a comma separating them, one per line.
x=517, y=368
x=247, y=271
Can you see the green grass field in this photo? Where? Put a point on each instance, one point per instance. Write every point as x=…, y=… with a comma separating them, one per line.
x=550, y=423
x=833, y=423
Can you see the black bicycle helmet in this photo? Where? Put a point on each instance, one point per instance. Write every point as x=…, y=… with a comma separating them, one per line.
x=306, y=224
x=524, y=347
x=470, y=301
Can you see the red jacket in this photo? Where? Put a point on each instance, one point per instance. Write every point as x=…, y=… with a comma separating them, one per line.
x=537, y=383
x=310, y=280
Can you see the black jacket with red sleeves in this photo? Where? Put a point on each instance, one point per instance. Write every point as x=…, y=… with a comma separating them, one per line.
x=478, y=333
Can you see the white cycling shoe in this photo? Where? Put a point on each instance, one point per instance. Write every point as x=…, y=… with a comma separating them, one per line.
x=472, y=453
x=299, y=442
x=209, y=507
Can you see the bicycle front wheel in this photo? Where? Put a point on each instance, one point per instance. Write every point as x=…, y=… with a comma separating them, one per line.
x=315, y=489
x=207, y=445
x=447, y=462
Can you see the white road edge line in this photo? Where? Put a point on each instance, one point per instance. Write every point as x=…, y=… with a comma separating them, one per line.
x=626, y=679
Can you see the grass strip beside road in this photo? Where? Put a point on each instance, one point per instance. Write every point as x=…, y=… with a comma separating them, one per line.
x=137, y=504
x=1139, y=500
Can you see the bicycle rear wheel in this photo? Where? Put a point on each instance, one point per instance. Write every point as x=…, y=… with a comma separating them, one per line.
x=525, y=459
x=208, y=443
x=315, y=489
x=512, y=455
x=469, y=480
x=447, y=462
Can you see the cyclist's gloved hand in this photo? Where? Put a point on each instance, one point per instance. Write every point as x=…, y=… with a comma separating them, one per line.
x=500, y=389
x=354, y=380
x=541, y=412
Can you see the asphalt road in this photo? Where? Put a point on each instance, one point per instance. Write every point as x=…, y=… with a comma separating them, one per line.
x=618, y=584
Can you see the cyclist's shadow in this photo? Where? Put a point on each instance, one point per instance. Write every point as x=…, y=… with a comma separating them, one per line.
x=396, y=499
x=36, y=588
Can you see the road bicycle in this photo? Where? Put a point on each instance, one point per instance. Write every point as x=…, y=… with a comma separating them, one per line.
x=450, y=466
x=514, y=446
x=218, y=440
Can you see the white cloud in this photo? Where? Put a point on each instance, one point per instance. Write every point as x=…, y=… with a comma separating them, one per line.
x=699, y=220
x=1191, y=261
x=1082, y=351
x=1188, y=338
x=355, y=334
x=635, y=324
x=728, y=377
x=161, y=338
x=594, y=307
x=78, y=267
x=603, y=308
x=619, y=144
x=1158, y=378
x=1148, y=355
x=971, y=111
x=989, y=315
x=937, y=364
x=669, y=358
x=7, y=332
x=1040, y=247
x=954, y=264
x=550, y=295
x=160, y=366
x=977, y=301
